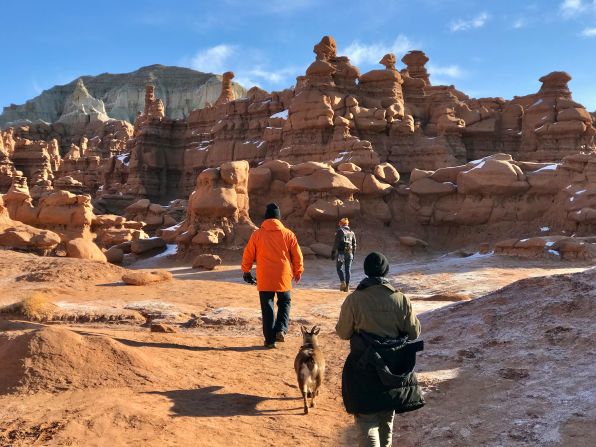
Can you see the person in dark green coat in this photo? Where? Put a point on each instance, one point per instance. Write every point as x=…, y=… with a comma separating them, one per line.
x=378, y=377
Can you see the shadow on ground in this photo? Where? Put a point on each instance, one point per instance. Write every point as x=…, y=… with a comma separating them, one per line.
x=206, y=402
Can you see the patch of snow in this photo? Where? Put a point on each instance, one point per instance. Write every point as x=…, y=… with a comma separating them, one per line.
x=260, y=144
x=550, y=243
x=540, y=101
x=580, y=192
x=552, y=167
x=572, y=199
x=478, y=166
x=523, y=240
x=124, y=158
x=283, y=114
x=554, y=252
x=543, y=229
x=170, y=250
x=173, y=227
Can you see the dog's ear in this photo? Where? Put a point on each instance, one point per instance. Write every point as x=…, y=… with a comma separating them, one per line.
x=303, y=329
x=315, y=330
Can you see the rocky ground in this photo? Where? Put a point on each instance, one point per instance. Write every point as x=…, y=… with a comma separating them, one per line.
x=510, y=366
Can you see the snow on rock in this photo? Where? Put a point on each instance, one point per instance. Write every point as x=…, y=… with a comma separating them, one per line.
x=283, y=114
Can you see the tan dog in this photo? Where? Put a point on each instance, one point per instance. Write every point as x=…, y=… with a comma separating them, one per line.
x=309, y=366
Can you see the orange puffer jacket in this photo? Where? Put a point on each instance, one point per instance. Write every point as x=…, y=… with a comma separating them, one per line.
x=277, y=254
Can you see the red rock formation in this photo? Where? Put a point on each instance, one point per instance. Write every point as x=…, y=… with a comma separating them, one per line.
x=227, y=90
x=497, y=196
x=217, y=214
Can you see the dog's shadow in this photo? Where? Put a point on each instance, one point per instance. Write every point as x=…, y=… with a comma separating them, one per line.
x=206, y=402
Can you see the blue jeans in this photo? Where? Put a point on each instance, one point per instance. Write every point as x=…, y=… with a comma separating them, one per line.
x=272, y=325
x=344, y=267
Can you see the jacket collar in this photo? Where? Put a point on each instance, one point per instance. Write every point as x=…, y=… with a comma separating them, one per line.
x=272, y=225
x=375, y=281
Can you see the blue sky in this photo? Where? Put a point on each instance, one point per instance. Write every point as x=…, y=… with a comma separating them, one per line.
x=484, y=47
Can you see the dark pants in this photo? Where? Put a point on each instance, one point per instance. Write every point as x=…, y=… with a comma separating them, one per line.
x=344, y=266
x=271, y=325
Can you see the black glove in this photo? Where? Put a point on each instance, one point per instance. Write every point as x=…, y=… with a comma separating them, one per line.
x=248, y=278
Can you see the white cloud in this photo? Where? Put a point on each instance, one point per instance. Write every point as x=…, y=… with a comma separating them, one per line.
x=360, y=53
x=573, y=8
x=464, y=25
x=213, y=60
x=589, y=32
x=519, y=23
x=249, y=66
x=448, y=71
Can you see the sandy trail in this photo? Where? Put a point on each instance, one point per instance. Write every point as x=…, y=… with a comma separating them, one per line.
x=215, y=384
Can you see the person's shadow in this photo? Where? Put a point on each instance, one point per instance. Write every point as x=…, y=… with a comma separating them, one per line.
x=205, y=402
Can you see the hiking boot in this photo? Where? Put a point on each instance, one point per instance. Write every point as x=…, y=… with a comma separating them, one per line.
x=269, y=345
x=342, y=286
x=347, y=288
x=280, y=336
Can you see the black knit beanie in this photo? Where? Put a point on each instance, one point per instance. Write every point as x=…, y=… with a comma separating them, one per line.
x=272, y=212
x=376, y=264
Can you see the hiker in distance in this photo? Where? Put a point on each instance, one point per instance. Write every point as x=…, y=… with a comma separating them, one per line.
x=378, y=378
x=277, y=254
x=344, y=249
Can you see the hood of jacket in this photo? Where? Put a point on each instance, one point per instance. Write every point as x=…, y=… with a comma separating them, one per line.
x=272, y=225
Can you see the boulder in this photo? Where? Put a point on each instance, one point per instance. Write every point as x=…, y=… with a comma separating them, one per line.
x=84, y=249
x=373, y=187
x=206, y=261
x=144, y=277
x=280, y=170
x=140, y=246
x=428, y=186
x=322, y=250
x=307, y=252
x=387, y=173
x=492, y=177
x=348, y=167
x=323, y=181
x=411, y=242
x=259, y=179
x=209, y=237
x=114, y=255
x=162, y=328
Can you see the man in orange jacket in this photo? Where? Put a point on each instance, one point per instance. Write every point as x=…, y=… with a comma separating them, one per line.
x=279, y=260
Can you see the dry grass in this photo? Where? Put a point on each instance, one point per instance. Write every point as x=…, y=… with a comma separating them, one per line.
x=36, y=307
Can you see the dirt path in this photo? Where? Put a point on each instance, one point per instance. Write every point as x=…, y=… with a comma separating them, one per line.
x=213, y=383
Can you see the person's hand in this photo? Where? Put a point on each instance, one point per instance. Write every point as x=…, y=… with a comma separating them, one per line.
x=297, y=278
x=248, y=278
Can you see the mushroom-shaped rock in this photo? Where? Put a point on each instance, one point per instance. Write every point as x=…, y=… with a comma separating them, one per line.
x=323, y=181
